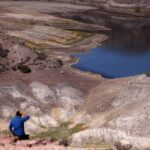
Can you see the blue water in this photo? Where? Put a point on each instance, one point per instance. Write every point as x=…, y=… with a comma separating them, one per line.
x=123, y=54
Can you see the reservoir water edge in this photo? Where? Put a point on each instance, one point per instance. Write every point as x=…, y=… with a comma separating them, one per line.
x=125, y=53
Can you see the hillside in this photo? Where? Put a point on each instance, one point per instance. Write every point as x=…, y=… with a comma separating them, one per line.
x=120, y=6
x=37, y=41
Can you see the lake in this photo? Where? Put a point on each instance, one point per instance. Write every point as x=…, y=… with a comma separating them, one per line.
x=125, y=53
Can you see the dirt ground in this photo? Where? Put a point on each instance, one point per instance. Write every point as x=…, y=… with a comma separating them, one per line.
x=34, y=37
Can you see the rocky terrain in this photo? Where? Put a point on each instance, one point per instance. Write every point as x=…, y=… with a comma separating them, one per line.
x=121, y=115
x=6, y=143
x=37, y=40
x=136, y=7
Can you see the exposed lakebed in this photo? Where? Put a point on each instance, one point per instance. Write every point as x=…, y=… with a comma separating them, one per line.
x=125, y=53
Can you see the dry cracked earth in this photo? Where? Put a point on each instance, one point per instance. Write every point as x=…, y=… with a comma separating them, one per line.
x=36, y=47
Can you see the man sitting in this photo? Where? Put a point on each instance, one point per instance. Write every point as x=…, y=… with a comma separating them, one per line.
x=16, y=126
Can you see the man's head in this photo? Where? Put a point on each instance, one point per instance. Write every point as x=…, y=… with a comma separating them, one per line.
x=18, y=113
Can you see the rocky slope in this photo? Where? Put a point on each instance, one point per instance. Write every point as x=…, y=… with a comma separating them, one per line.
x=48, y=105
x=36, y=77
x=120, y=6
x=120, y=109
x=36, y=49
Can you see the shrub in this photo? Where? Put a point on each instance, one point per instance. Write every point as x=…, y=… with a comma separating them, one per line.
x=3, y=52
x=137, y=10
x=23, y=68
x=61, y=133
x=41, y=56
x=60, y=62
x=64, y=142
x=119, y=146
x=148, y=74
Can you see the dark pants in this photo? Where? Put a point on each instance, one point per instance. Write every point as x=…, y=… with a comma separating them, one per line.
x=24, y=137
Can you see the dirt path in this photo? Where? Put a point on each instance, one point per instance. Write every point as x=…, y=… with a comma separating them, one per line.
x=7, y=144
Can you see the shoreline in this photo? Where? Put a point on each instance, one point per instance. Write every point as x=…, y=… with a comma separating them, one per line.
x=76, y=60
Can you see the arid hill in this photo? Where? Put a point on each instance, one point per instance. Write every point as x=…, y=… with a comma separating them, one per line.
x=37, y=42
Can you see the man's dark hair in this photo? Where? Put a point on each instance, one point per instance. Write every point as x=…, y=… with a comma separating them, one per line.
x=18, y=113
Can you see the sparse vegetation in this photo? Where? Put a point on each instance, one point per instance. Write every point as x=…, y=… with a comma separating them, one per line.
x=3, y=52
x=137, y=10
x=5, y=132
x=41, y=56
x=64, y=142
x=35, y=46
x=23, y=68
x=119, y=146
x=148, y=74
x=63, y=132
x=60, y=62
x=80, y=36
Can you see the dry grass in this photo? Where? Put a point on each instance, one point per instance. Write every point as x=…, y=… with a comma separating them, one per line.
x=63, y=132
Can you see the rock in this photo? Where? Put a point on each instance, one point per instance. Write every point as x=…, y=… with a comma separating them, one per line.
x=39, y=103
x=45, y=121
x=69, y=96
x=111, y=137
x=65, y=98
x=43, y=93
x=41, y=56
x=64, y=143
x=2, y=68
x=120, y=112
x=3, y=52
x=34, y=110
x=111, y=4
x=7, y=111
x=32, y=126
x=23, y=68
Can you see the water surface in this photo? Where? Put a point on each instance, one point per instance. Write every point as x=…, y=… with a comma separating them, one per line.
x=125, y=53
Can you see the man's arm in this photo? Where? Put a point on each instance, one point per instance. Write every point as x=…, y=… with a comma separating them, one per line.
x=25, y=118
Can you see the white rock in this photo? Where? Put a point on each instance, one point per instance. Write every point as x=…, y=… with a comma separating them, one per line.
x=45, y=121
x=42, y=92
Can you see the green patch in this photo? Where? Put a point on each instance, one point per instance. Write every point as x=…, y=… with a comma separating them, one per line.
x=5, y=132
x=80, y=36
x=63, y=132
x=36, y=46
x=55, y=41
x=83, y=34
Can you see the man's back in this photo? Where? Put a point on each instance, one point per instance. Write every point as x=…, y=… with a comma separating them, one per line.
x=17, y=125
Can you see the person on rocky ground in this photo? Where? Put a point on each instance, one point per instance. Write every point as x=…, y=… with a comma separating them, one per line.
x=16, y=126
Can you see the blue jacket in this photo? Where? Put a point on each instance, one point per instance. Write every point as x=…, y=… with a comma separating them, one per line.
x=17, y=125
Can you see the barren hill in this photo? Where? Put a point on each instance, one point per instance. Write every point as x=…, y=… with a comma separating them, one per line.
x=37, y=42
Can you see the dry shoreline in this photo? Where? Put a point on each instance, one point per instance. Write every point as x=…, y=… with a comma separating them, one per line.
x=76, y=60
